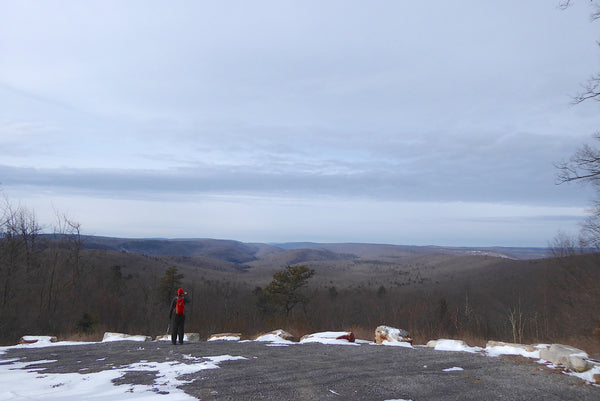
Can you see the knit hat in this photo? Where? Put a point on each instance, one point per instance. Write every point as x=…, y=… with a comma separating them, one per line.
x=180, y=292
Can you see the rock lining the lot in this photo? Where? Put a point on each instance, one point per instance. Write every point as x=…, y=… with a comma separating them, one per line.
x=567, y=356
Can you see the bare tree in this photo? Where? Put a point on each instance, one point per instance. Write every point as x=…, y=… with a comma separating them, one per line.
x=591, y=89
x=515, y=319
x=18, y=232
x=584, y=165
x=563, y=245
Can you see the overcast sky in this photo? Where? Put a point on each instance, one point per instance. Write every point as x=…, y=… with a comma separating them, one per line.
x=402, y=122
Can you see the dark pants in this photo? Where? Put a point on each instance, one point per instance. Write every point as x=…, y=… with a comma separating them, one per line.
x=178, y=323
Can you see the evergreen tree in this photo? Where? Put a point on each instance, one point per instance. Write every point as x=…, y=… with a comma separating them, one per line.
x=169, y=284
x=284, y=292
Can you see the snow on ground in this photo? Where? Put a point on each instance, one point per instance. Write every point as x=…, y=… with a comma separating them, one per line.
x=589, y=375
x=453, y=369
x=98, y=386
x=394, y=344
x=460, y=346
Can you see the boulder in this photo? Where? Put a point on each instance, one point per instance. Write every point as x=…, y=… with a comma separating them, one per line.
x=526, y=348
x=225, y=337
x=569, y=357
x=275, y=335
x=108, y=337
x=444, y=344
x=328, y=336
x=192, y=337
x=596, y=379
x=391, y=335
x=35, y=339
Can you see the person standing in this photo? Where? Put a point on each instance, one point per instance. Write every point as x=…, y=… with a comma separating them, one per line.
x=177, y=316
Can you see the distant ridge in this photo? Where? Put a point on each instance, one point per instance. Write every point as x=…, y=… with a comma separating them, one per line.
x=241, y=252
x=520, y=253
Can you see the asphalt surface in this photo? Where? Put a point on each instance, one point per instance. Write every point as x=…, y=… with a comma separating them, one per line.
x=322, y=372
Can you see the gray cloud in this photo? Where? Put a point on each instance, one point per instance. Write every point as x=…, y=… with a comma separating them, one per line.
x=382, y=182
x=388, y=101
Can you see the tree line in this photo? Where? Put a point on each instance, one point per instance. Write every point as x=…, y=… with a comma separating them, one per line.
x=50, y=284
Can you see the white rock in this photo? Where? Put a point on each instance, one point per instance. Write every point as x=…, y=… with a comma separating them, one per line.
x=386, y=334
x=275, y=336
x=569, y=357
x=108, y=337
x=329, y=337
x=35, y=339
x=526, y=348
x=225, y=337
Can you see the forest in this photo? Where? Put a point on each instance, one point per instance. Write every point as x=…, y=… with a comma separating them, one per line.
x=69, y=285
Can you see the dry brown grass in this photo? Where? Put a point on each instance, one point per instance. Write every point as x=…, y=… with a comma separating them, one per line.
x=362, y=333
x=92, y=337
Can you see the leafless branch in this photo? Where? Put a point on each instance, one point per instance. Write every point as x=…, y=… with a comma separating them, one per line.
x=583, y=166
x=591, y=90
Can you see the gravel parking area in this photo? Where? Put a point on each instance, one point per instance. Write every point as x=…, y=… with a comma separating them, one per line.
x=316, y=371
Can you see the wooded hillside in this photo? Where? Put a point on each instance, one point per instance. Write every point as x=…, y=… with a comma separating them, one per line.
x=67, y=284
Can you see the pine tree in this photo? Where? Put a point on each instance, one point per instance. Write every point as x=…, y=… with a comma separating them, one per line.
x=169, y=284
x=284, y=292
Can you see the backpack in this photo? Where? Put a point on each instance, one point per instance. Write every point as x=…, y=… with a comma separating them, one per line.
x=180, y=306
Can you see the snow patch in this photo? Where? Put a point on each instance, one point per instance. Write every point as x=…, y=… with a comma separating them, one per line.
x=453, y=369
x=328, y=338
x=99, y=386
x=589, y=375
x=397, y=344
